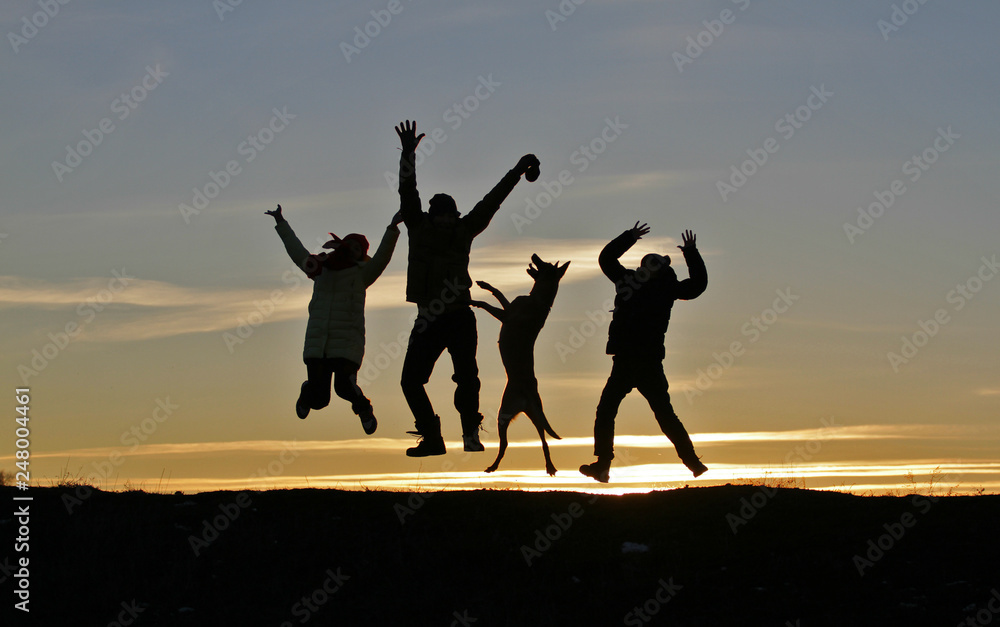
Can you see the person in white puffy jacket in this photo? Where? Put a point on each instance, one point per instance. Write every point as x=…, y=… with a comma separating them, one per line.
x=335, y=333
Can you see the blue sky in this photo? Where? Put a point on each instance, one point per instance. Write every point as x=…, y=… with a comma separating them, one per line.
x=496, y=82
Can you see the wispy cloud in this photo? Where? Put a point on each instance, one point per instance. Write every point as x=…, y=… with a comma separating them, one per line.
x=147, y=309
x=653, y=180
x=509, y=260
x=21, y=292
x=394, y=445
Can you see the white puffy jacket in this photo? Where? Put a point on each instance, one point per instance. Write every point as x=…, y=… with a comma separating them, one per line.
x=336, y=326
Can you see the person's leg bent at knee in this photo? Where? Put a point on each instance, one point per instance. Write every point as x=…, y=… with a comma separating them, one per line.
x=345, y=385
x=315, y=392
x=653, y=385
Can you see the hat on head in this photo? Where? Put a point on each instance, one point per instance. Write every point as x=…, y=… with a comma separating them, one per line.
x=442, y=204
x=360, y=239
x=355, y=237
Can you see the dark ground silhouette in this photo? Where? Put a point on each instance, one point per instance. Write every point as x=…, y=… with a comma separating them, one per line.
x=507, y=558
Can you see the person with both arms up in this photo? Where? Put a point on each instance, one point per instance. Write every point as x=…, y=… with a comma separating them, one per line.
x=438, y=282
x=335, y=333
x=643, y=300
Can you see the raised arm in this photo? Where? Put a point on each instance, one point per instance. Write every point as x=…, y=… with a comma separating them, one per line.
x=374, y=268
x=608, y=259
x=409, y=199
x=276, y=214
x=697, y=280
x=479, y=218
x=293, y=246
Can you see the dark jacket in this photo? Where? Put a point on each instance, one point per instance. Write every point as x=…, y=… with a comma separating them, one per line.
x=643, y=304
x=438, y=263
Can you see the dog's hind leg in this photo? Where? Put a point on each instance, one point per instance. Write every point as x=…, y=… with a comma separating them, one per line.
x=503, y=421
x=537, y=417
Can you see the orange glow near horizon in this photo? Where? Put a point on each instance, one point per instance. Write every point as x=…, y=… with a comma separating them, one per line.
x=274, y=464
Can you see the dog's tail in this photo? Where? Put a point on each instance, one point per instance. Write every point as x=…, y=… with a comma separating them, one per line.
x=537, y=416
x=548, y=428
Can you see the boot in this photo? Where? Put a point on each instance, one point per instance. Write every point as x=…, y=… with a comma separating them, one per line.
x=367, y=415
x=301, y=408
x=431, y=442
x=471, y=425
x=426, y=447
x=599, y=470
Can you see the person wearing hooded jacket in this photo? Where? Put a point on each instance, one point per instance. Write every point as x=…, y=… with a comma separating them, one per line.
x=335, y=332
x=438, y=282
x=643, y=300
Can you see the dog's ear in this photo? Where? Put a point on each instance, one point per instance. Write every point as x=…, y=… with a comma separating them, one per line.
x=562, y=268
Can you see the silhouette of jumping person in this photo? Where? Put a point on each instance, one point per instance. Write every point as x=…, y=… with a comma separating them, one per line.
x=643, y=300
x=335, y=333
x=438, y=282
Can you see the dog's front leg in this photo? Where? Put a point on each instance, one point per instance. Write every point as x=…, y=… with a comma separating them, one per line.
x=503, y=421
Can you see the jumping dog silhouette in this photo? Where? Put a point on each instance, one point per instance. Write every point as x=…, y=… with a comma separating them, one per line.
x=520, y=322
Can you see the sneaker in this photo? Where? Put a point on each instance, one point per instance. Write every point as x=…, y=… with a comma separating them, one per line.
x=301, y=409
x=472, y=443
x=427, y=446
x=368, y=422
x=597, y=471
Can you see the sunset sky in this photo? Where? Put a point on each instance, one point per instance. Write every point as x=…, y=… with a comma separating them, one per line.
x=837, y=161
